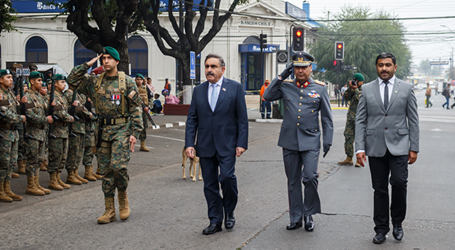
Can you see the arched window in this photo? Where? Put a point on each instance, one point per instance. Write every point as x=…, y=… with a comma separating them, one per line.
x=138, y=53
x=36, y=50
x=82, y=54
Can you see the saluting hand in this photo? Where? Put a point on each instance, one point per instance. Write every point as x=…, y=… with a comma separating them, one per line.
x=93, y=61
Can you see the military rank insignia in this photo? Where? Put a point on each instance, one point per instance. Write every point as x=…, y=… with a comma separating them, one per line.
x=302, y=85
x=313, y=94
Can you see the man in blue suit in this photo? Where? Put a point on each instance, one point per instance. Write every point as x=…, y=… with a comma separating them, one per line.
x=219, y=118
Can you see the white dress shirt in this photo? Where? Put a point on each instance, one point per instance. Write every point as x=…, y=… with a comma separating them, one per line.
x=382, y=87
x=217, y=88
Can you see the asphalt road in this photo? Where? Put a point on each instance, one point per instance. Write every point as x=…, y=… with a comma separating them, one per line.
x=168, y=212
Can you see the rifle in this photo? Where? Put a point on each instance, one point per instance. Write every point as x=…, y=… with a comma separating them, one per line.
x=147, y=113
x=50, y=110
x=21, y=93
x=73, y=113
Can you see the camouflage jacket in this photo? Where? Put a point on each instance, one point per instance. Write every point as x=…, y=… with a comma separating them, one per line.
x=353, y=96
x=81, y=111
x=89, y=123
x=12, y=115
x=60, y=127
x=36, y=120
x=108, y=108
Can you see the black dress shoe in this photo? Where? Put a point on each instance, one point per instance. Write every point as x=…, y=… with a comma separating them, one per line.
x=229, y=221
x=294, y=225
x=211, y=229
x=379, y=238
x=398, y=232
x=309, y=224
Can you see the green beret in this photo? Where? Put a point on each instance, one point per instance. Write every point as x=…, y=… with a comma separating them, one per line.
x=48, y=82
x=59, y=77
x=359, y=77
x=111, y=51
x=5, y=72
x=140, y=76
x=35, y=74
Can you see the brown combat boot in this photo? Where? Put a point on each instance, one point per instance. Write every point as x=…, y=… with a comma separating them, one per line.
x=124, y=207
x=143, y=147
x=53, y=183
x=42, y=166
x=45, y=190
x=347, y=161
x=14, y=175
x=3, y=196
x=10, y=193
x=88, y=173
x=31, y=187
x=45, y=162
x=109, y=214
x=71, y=179
x=98, y=177
x=82, y=180
x=61, y=183
x=21, y=167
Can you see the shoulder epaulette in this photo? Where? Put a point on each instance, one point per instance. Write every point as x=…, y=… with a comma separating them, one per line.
x=319, y=82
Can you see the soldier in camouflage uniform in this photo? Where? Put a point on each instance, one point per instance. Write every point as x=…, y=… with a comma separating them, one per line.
x=352, y=95
x=42, y=157
x=146, y=96
x=118, y=105
x=89, y=142
x=58, y=136
x=9, y=138
x=21, y=157
x=76, y=138
x=37, y=119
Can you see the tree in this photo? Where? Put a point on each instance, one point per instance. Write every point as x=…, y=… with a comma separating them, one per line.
x=364, y=41
x=425, y=66
x=6, y=17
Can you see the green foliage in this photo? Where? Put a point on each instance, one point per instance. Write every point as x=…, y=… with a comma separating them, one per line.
x=364, y=41
x=6, y=17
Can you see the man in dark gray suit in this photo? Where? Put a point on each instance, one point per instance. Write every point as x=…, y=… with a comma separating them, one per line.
x=300, y=136
x=387, y=130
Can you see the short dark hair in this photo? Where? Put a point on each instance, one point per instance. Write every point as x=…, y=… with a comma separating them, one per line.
x=384, y=55
x=222, y=64
x=157, y=95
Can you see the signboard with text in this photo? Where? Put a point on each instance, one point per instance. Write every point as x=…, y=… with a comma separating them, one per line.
x=32, y=6
x=439, y=63
x=192, y=65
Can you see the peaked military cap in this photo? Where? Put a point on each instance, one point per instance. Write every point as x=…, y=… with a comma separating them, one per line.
x=59, y=77
x=302, y=59
x=111, y=51
x=140, y=76
x=35, y=74
x=5, y=72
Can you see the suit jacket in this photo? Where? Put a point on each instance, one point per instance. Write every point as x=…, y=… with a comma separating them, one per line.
x=300, y=128
x=221, y=130
x=395, y=129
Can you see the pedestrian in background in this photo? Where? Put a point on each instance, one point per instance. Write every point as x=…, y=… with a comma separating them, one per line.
x=428, y=95
x=387, y=130
x=436, y=89
x=343, y=100
x=265, y=104
x=352, y=94
x=150, y=86
x=157, y=106
x=167, y=86
x=446, y=94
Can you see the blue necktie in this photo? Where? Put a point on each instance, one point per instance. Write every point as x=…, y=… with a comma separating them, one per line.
x=214, y=97
x=386, y=95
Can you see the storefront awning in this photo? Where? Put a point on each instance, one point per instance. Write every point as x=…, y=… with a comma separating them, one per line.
x=256, y=48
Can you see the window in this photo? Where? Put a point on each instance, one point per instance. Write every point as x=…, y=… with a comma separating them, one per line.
x=138, y=53
x=36, y=50
x=82, y=54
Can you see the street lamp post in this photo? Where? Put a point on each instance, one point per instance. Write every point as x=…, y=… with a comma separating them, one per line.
x=451, y=58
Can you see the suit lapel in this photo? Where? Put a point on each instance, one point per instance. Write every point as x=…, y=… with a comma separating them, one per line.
x=205, y=97
x=396, y=86
x=223, y=90
x=377, y=94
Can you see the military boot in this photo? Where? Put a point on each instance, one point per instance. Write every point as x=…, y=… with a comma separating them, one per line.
x=98, y=170
x=143, y=147
x=124, y=207
x=3, y=196
x=88, y=173
x=10, y=193
x=98, y=177
x=61, y=183
x=109, y=214
x=45, y=190
x=14, y=175
x=53, y=183
x=45, y=162
x=42, y=166
x=31, y=187
x=347, y=161
x=71, y=179
x=21, y=167
x=82, y=180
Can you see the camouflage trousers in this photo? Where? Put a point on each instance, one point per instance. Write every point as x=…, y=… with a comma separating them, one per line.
x=143, y=134
x=32, y=150
x=349, y=137
x=8, y=158
x=21, y=146
x=58, y=151
x=113, y=158
x=44, y=151
x=76, y=144
x=88, y=155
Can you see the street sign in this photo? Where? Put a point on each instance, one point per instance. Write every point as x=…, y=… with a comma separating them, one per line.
x=439, y=63
x=24, y=72
x=282, y=56
x=192, y=65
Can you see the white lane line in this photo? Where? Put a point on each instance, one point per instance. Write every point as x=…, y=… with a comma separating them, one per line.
x=181, y=123
x=169, y=138
x=169, y=125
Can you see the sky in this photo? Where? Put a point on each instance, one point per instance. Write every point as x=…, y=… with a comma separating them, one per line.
x=433, y=46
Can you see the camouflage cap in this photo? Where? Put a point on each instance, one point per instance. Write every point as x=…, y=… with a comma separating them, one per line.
x=111, y=51
x=5, y=72
x=35, y=74
x=302, y=59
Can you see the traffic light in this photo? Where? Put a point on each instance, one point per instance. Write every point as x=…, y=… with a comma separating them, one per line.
x=263, y=41
x=297, y=39
x=339, y=50
x=335, y=68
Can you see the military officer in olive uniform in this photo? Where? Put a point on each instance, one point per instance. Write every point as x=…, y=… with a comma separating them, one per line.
x=304, y=99
x=118, y=104
x=146, y=96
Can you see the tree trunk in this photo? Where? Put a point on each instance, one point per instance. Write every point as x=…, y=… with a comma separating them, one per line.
x=124, y=59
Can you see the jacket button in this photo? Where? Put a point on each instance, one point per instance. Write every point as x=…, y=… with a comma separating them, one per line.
x=301, y=91
x=297, y=124
x=301, y=97
x=312, y=111
x=385, y=128
x=300, y=110
x=300, y=104
x=386, y=114
x=298, y=117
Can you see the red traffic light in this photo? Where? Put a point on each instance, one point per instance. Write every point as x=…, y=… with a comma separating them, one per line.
x=298, y=33
x=335, y=63
x=340, y=46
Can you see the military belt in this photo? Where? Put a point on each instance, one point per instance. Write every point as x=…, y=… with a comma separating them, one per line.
x=33, y=125
x=8, y=126
x=60, y=124
x=114, y=121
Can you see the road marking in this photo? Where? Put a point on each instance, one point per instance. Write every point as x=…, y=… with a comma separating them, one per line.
x=436, y=130
x=169, y=138
x=181, y=123
x=169, y=125
x=156, y=127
